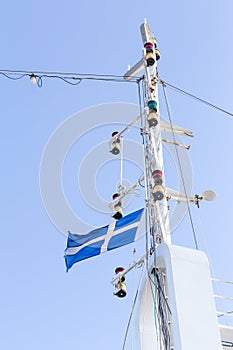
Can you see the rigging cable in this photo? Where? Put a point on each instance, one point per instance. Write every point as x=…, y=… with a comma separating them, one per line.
x=147, y=171
x=69, y=78
x=132, y=310
x=147, y=217
x=76, y=78
x=180, y=167
x=164, y=83
x=27, y=72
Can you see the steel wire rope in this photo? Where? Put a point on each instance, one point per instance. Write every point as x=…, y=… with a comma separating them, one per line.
x=146, y=224
x=133, y=287
x=98, y=77
x=202, y=231
x=66, y=77
x=180, y=167
x=12, y=77
x=135, y=79
x=145, y=174
x=195, y=97
x=147, y=186
x=140, y=113
x=132, y=309
x=145, y=151
x=164, y=83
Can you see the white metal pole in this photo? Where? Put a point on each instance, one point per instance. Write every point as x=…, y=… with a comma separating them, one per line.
x=159, y=207
x=121, y=167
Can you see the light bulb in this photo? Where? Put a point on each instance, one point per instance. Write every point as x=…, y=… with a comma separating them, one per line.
x=33, y=79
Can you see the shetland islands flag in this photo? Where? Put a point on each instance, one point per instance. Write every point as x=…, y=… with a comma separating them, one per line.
x=100, y=240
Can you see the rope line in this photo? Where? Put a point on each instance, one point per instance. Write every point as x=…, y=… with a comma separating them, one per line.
x=69, y=78
x=180, y=167
x=164, y=83
x=147, y=216
x=132, y=309
x=76, y=78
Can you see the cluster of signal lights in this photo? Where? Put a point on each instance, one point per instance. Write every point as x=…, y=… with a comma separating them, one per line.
x=152, y=55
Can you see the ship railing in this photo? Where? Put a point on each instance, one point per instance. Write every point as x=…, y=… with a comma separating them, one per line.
x=224, y=302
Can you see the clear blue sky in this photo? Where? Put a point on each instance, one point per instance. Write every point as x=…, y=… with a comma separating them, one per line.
x=41, y=306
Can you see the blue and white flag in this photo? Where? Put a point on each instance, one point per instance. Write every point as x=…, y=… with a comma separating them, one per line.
x=100, y=240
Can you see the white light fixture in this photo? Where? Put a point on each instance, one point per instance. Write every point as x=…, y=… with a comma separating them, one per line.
x=33, y=79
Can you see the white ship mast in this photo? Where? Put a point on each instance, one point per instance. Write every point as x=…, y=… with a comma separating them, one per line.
x=177, y=286
x=154, y=167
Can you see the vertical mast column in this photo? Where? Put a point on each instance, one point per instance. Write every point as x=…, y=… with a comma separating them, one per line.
x=157, y=203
